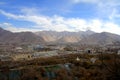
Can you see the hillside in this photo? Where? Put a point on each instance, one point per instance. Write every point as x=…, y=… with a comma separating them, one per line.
x=82, y=37
x=19, y=38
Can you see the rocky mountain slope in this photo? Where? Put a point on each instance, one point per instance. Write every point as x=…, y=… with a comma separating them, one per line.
x=82, y=37
x=72, y=37
x=22, y=37
x=103, y=38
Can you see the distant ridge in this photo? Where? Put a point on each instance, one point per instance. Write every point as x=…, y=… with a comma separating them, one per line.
x=65, y=36
x=82, y=37
x=103, y=38
x=19, y=38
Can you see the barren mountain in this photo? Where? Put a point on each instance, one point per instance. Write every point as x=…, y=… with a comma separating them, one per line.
x=103, y=38
x=82, y=37
x=22, y=37
x=4, y=35
x=64, y=37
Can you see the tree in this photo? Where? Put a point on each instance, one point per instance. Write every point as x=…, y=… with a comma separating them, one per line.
x=68, y=48
x=111, y=66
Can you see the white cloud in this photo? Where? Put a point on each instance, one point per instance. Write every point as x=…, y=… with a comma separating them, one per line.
x=104, y=8
x=44, y=22
x=111, y=27
x=76, y=23
x=84, y=1
x=10, y=27
x=100, y=2
x=9, y=15
x=96, y=25
x=114, y=14
x=59, y=23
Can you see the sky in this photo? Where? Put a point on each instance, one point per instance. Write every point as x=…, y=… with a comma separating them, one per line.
x=60, y=15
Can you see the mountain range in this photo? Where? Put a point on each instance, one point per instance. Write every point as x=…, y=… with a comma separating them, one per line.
x=19, y=38
x=83, y=37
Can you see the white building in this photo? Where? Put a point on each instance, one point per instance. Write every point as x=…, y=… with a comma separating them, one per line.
x=77, y=59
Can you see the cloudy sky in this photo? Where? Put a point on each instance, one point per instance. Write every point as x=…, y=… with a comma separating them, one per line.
x=60, y=15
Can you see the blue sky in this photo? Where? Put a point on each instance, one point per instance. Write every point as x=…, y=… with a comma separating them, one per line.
x=60, y=15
